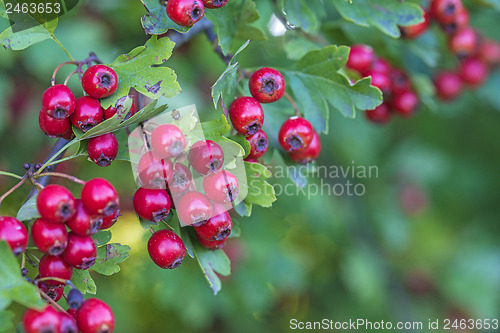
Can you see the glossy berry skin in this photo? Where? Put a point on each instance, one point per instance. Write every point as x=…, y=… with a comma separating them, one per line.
x=81, y=251
x=185, y=12
x=448, y=85
x=14, y=233
x=310, y=153
x=56, y=203
x=100, y=198
x=414, y=31
x=152, y=204
x=380, y=115
x=380, y=65
x=54, y=292
x=166, y=249
x=154, y=172
x=54, y=266
x=109, y=221
x=405, y=103
x=103, y=149
x=167, y=141
x=295, y=134
x=44, y=321
x=182, y=179
x=381, y=81
x=473, y=72
x=210, y=244
x=88, y=113
x=246, y=115
x=460, y=21
x=267, y=85
x=95, y=316
x=489, y=52
x=58, y=101
x=464, y=43
x=221, y=186
x=213, y=4
x=258, y=144
x=99, y=81
x=194, y=207
x=444, y=11
x=83, y=223
x=360, y=58
x=68, y=323
x=217, y=227
x=53, y=127
x=206, y=156
x=49, y=237
x=400, y=81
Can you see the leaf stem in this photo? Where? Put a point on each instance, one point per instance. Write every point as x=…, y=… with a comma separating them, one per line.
x=12, y=189
x=13, y=175
x=62, y=175
x=62, y=46
x=294, y=105
x=53, y=157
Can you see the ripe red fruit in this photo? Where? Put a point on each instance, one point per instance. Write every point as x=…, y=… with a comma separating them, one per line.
x=246, y=115
x=405, y=103
x=211, y=244
x=464, y=43
x=214, y=3
x=14, y=233
x=88, y=113
x=111, y=111
x=100, y=198
x=489, y=52
x=46, y=320
x=54, y=292
x=49, y=237
x=58, y=101
x=360, y=58
x=154, y=172
x=81, y=251
x=473, y=72
x=381, y=65
x=56, y=203
x=68, y=323
x=295, y=134
x=103, y=149
x=444, y=11
x=448, y=85
x=414, y=31
x=95, y=316
x=56, y=267
x=99, y=81
x=206, y=156
x=217, y=227
x=400, y=81
x=258, y=144
x=83, y=223
x=166, y=249
x=194, y=207
x=152, y=204
x=381, y=81
x=167, y=141
x=380, y=115
x=221, y=186
x=53, y=127
x=460, y=21
x=185, y=12
x=182, y=179
x=267, y=85
x=310, y=153
x=109, y=221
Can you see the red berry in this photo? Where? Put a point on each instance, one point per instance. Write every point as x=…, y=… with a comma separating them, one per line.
x=182, y=179
x=154, y=172
x=258, y=144
x=152, y=204
x=185, y=12
x=405, y=103
x=489, y=52
x=448, y=85
x=68, y=323
x=44, y=321
x=210, y=244
x=166, y=249
x=14, y=233
x=267, y=85
x=400, y=81
x=81, y=251
x=295, y=134
x=49, y=237
x=473, y=72
x=444, y=11
x=221, y=186
x=110, y=112
x=246, y=115
x=464, y=43
x=413, y=31
x=360, y=58
x=380, y=115
x=100, y=198
x=381, y=65
x=58, y=101
x=167, y=141
x=54, y=267
x=83, y=223
x=460, y=21
x=217, y=227
x=54, y=292
x=206, y=156
x=381, y=81
x=95, y=316
x=99, y=81
x=56, y=203
x=88, y=113
x=194, y=207
x=109, y=221
x=214, y=3
x=103, y=149
x=53, y=127
x=72, y=313
x=68, y=135
x=310, y=153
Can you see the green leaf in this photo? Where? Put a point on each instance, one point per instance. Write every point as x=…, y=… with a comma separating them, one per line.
x=19, y=37
x=243, y=142
x=147, y=224
x=243, y=208
x=108, y=258
x=83, y=281
x=102, y=237
x=260, y=192
x=6, y=321
x=28, y=211
x=385, y=15
x=489, y=91
x=156, y=20
x=299, y=14
x=215, y=128
x=299, y=47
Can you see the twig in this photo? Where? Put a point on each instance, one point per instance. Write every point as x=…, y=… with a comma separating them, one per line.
x=294, y=105
x=62, y=175
x=15, y=187
x=51, y=301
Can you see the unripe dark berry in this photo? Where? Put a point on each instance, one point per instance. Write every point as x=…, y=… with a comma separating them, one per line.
x=75, y=298
x=400, y=81
x=182, y=179
x=211, y=244
x=258, y=144
x=473, y=72
x=460, y=21
x=14, y=233
x=53, y=127
x=414, y=31
x=185, y=12
x=380, y=115
x=109, y=221
x=489, y=52
x=68, y=323
x=83, y=223
x=100, y=198
x=103, y=149
x=360, y=58
x=448, y=85
x=381, y=81
x=44, y=321
x=56, y=267
x=267, y=85
x=217, y=227
x=444, y=11
x=213, y=4
x=206, y=156
x=55, y=293
x=49, y=237
x=221, y=186
x=194, y=207
x=405, y=104
x=464, y=43
x=167, y=141
x=310, y=153
x=166, y=249
x=81, y=251
x=154, y=172
x=95, y=316
x=56, y=203
x=152, y=204
x=246, y=115
x=88, y=113
x=381, y=65
x=99, y=81
x=58, y=101
x=295, y=134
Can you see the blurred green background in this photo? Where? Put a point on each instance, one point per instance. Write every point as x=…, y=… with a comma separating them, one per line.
x=422, y=243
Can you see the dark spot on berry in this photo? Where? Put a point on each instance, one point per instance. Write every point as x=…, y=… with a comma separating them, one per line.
x=450, y=9
x=103, y=161
x=107, y=80
x=176, y=148
x=60, y=113
x=261, y=144
x=110, y=209
x=197, y=224
x=223, y=234
x=199, y=218
x=196, y=13
x=269, y=87
x=87, y=263
x=218, y=3
x=215, y=165
x=86, y=127
x=180, y=179
x=17, y=251
x=24, y=272
x=232, y=193
x=48, y=330
x=254, y=128
x=296, y=143
x=160, y=215
x=95, y=226
x=66, y=211
x=52, y=294
x=176, y=263
x=56, y=250
x=158, y=181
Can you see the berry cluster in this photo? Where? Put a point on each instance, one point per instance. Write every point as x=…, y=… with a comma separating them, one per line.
x=187, y=12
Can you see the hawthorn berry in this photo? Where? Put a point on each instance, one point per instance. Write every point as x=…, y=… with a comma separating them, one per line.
x=49, y=237
x=460, y=21
x=185, y=12
x=82, y=223
x=88, y=113
x=166, y=249
x=380, y=65
x=489, y=52
x=100, y=198
x=444, y=11
x=381, y=81
x=448, y=85
x=267, y=85
x=99, y=81
x=95, y=316
x=473, y=71
x=56, y=203
x=295, y=134
x=55, y=267
x=464, y=43
x=380, y=115
x=211, y=244
x=58, y=101
x=14, y=233
x=246, y=115
x=258, y=144
x=111, y=111
x=212, y=4
x=103, y=149
x=154, y=172
x=152, y=204
x=405, y=103
x=310, y=153
x=218, y=227
x=221, y=186
x=75, y=298
x=400, y=81
x=206, y=156
x=44, y=321
x=182, y=179
x=167, y=141
x=55, y=293
x=109, y=221
x=53, y=127
x=194, y=207
x=360, y=58
x=81, y=251
x=415, y=30
x=68, y=323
